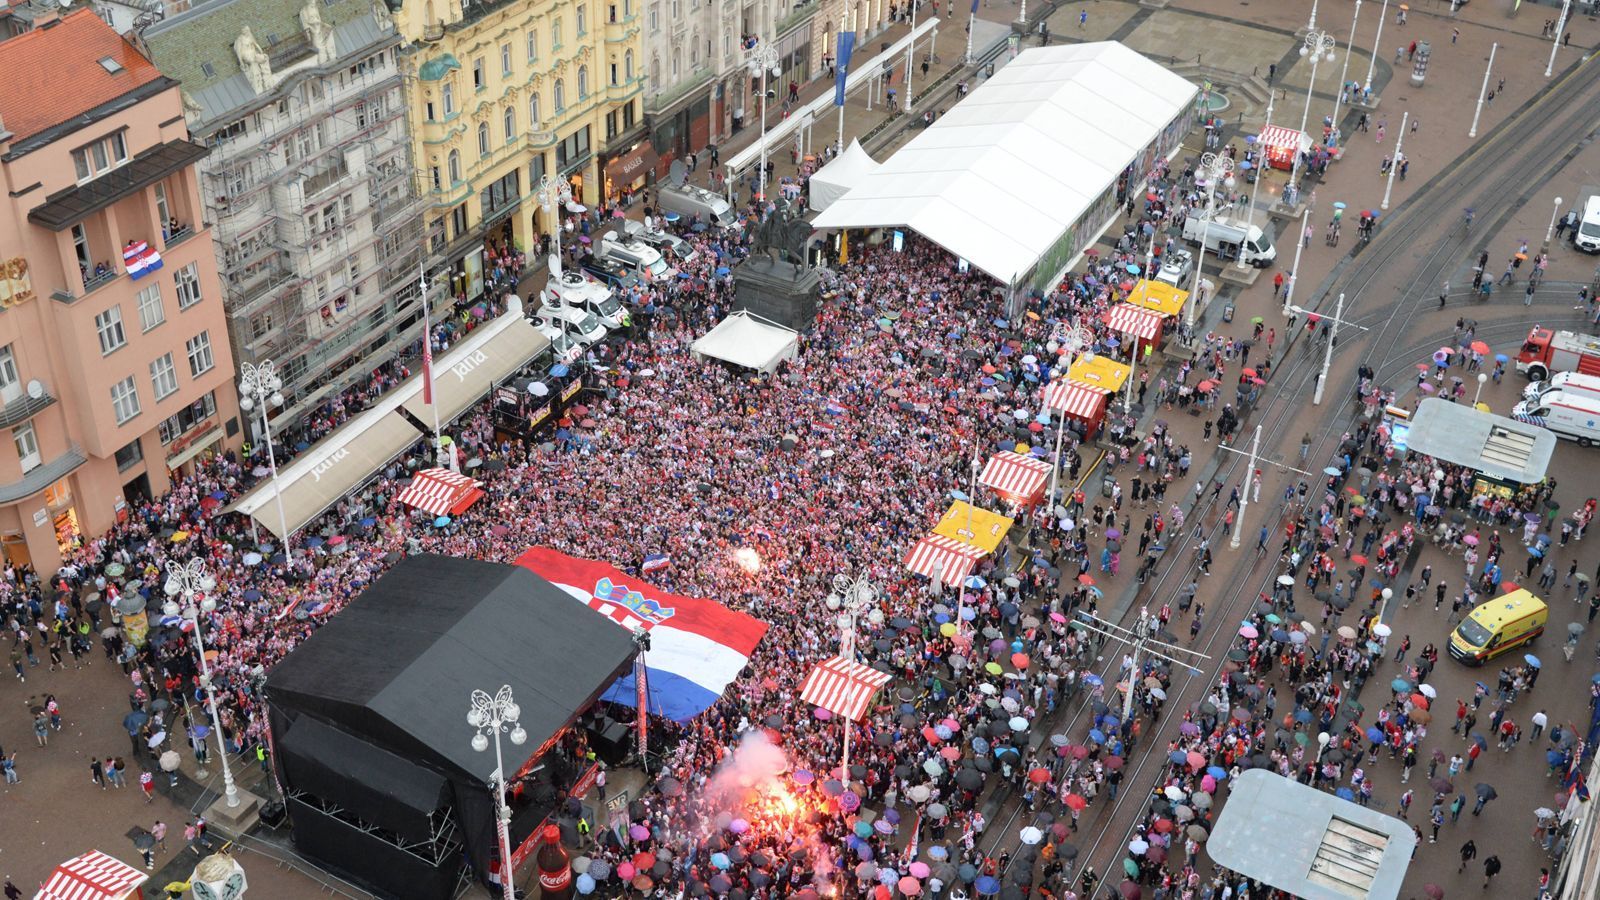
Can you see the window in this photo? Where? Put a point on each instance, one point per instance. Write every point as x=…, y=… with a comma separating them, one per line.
x=150, y=312
x=479, y=79
x=125, y=400
x=163, y=209
x=27, y=446
x=561, y=96
x=533, y=45
x=627, y=65
x=583, y=83
x=583, y=20
x=195, y=414
x=108, y=325
x=432, y=117
x=505, y=60
x=533, y=110
x=447, y=94
x=508, y=121
x=455, y=167
x=483, y=139
x=130, y=455
x=677, y=62
x=458, y=221
x=80, y=246
x=614, y=72
x=437, y=182
x=655, y=17
x=188, y=282
x=10, y=381
x=163, y=377
x=627, y=115
x=99, y=157
x=555, y=34
x=199, y=349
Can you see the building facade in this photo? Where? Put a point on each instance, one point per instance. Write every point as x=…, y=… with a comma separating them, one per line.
x=700, y=89
x=115, y=369
x=309, y=184
x=505, y=92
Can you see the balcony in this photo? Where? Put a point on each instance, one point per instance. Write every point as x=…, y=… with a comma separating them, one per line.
x=183, y=233
x=41, y=477
x=433, y=33
x=667, y=97
x=62, y=210
x=24, y=408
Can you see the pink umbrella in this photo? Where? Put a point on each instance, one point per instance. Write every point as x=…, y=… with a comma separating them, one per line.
x=910, y=886
x=1208, y=784
x=1249, y=632
x=919, y=869
x=1196, y=760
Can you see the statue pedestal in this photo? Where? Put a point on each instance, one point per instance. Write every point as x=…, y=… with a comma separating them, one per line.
x=777, y=291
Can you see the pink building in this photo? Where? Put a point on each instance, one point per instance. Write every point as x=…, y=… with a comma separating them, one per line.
x=115, y=370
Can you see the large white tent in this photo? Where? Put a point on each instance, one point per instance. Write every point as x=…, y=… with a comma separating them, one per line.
x=745, y=339
x=1001, y=177
x=835, y=179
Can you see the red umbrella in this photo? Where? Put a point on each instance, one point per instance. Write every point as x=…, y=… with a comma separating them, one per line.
x=1480, y=347
x=1020, y=660
x=1085, y=578
x=1248, y=371
x=1419, y=700
x=1076, y=802
x=1039, y=776
x=1433, y=891
x=1113, y=762
x=1358, y=559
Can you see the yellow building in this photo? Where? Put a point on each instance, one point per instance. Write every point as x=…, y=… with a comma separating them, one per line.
x=501, y=93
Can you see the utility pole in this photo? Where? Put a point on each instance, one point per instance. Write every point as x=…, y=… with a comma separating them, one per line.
x=1333, y=335
x=1399, y=141
x=1249, y=478
x=1566, y=7
x=1372, y=60
x=1139, y=641
x=1483, y=90
x=1344, y=72
x=1294, y=273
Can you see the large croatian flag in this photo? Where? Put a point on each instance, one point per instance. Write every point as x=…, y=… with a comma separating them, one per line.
x=697, y=647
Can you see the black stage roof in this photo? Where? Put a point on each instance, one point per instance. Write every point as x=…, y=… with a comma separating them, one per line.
x=398, y=665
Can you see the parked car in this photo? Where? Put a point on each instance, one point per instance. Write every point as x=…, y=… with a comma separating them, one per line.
x=609, y=273
x=1177, y=268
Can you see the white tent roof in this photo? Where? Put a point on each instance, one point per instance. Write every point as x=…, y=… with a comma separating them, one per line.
x=1001, y=176
x=745, y=339
x=836, y=178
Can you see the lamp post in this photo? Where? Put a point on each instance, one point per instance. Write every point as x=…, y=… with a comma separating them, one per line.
x=191, y=582
x=494, y=716
x=260, y=386
x=763, y=59
x=1213, y=167
x=1344, y=73
x=1555, y=44
x=850, y=598
x=1255, y=190
x=1318, y=46
x=911, y=51
x=1476, y=113
x=1244, y=489
x=1322, y=744
x=1334, y=322
x=1372, y=61
x=1071, y=339
x=1294, y=273
x=1399, y=141
x=552, y=192
x=1483, y=379
x=1550, y=232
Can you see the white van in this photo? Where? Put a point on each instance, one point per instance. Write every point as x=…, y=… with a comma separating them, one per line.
x=696, y=203
x=572, y=289
x=1586, y=236
x=1571, y=382
x=1572, y=416
x=575, y=323
x=634, y=255
x=1232, y=239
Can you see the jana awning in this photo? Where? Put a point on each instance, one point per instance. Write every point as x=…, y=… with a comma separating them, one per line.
x=1080, y=401
x=842, y=687
x=92, y=876
x=1133, y=320
x=353, y=453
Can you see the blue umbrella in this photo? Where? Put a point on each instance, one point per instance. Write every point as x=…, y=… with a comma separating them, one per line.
x=368, y=522
x=252, y=595
x=975, y=582
x=1302, y=715
x=1345, y=793
x=1133, y=269
x=1399, y=685
x=313, y=541
x=441, y=522
x=1338, y=204
x=958, y=494
x=723, y=270
x=987, y=884
x=1094, y=679
x=1331, y=470
x=1178, y=756
x=671, y=217
x=1374, y=734
x=940, y=618
x=1532, y=660
x=1096, y=736
x=1217, y=772
x=968, y=614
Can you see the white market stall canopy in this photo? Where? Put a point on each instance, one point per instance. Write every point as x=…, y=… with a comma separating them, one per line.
x=999, y=178
x=745, y=339
x=835, y=179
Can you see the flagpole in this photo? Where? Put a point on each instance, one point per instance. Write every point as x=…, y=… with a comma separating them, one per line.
x=427, y=371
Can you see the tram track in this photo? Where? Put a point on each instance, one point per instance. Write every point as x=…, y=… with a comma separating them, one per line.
x=1522, y=161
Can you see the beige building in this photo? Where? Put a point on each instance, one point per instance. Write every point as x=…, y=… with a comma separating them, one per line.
x=114, y=360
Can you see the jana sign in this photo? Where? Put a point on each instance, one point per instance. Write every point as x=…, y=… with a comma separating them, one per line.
x=333, y=459
x=465, y=367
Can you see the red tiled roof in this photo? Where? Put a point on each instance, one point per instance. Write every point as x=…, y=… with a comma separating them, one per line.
x=55, y=73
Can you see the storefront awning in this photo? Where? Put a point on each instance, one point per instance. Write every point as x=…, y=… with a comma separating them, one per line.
x=973, y=526
x=1158, y=297
x=1099, y=371
x=1080, y=401
x=1135, y=321
x=633, y=165
x=1020, y=479
x=345, y=459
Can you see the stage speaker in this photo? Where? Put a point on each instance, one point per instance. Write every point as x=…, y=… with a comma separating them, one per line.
x=274, y=815
x=611, y=743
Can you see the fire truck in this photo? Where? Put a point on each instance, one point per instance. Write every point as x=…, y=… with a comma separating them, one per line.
x=1547, y=352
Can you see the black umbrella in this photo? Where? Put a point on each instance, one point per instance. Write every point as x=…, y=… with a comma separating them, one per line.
x=883, y=739
x=144, y=840
x=983, y=764
x=1066, y=851
x=1484, y=791
x=969, y=779
x=670, y=787
x=1022, y=875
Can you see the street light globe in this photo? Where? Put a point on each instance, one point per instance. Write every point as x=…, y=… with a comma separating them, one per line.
x=1558, y=201
x=1483, y=377
x=1327, y=57
x=208, y=605
x=246, y=402
x=1388, y=593
x=519, y=736
x=513, y=712
x=875, y=617
x=844, y=621
x=1323, y=738
x=832, y=603
x=276, y=399
x=205, y=681
x=475, y=717
x=1304, y=51
x=208, y=582
x=169, y=608
x=479, y=742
